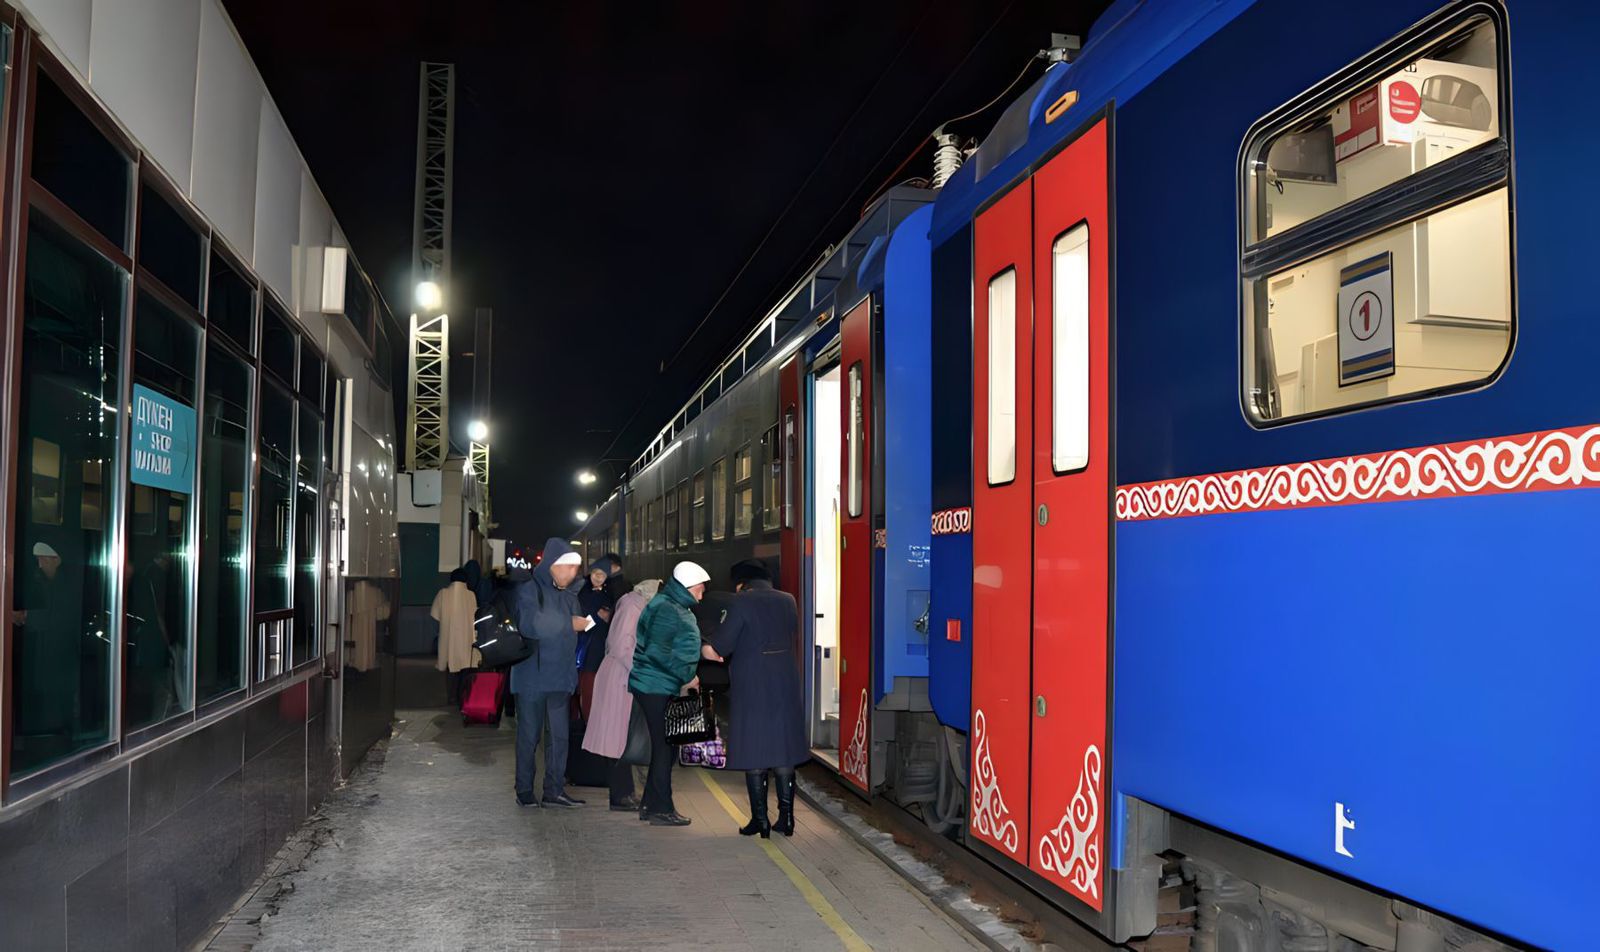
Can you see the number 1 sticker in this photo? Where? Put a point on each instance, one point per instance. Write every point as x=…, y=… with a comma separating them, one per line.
x=1366, y=320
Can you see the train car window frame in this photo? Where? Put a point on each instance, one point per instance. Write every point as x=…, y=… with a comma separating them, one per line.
x=772, y=487
x=685, y=523
x=744, y=491
x=855, y=464
x=671, y=519
x=719, y=499
x=699, y=514
x=1415, y=241
x=1001, y=463
x=1069, y=350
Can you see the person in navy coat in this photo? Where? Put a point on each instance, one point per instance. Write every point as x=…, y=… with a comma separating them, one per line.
x=760, y=640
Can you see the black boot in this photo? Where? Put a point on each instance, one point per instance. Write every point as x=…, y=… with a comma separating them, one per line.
x=785, y=824
x=755, y=784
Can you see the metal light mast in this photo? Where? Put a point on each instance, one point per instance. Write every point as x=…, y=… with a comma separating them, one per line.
x=428, y=404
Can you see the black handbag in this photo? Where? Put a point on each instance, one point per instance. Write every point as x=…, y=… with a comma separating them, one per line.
x=690, y=719
x=637, y=752
x=498, y=639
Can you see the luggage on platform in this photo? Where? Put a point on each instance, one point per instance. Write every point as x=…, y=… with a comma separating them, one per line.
x=483, y=697
x=584, y=768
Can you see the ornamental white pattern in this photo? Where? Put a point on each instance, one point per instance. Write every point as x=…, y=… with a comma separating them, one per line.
x=1553, y=459
x=989, y=814
x=1072, y=849
x=855, y=755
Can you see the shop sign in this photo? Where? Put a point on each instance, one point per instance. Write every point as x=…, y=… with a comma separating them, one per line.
x=163, y=442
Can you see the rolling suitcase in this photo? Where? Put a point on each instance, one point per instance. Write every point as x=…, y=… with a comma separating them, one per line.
x=483, y=697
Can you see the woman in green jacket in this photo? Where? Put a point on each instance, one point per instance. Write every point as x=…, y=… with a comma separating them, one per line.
x=664, y=661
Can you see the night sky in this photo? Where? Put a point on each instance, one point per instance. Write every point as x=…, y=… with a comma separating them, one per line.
x=618, y=168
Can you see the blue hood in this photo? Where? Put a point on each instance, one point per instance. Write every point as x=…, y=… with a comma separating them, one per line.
x=554, y=548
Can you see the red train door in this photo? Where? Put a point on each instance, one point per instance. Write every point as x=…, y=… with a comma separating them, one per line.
x=791, y=379
x=1072, y=496
x=1002, y=481
x=855, y=559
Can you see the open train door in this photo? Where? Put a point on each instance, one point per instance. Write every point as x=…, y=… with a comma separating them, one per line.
x=1072, y=496
x=791, y=383
x=855, y=543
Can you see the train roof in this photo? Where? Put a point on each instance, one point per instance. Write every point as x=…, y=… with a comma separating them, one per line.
x=1131, y=44
x=849, y=266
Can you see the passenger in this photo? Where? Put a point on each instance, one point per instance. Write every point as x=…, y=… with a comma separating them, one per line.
x=709, y=615
x=664, y=662
x=597, y=603
x=617, y=584
x=611, y=712
x=455, y=608
x=760, y=640
x=546, y=610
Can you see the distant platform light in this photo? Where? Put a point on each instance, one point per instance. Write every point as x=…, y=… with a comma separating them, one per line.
x=581, y=516
x=478, y=431
x=587, y=477
x=429, y=296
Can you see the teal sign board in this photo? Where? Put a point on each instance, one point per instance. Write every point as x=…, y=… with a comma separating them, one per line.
x=163, y=442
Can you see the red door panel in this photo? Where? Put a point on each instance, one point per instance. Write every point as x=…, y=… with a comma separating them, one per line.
x=1071, y=524
x=1001, y=538
x=855, y=539
x=790, y=378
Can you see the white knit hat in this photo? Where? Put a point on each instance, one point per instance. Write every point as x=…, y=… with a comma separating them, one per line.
x=43, y=550
x=571, y=558
x=690, y=574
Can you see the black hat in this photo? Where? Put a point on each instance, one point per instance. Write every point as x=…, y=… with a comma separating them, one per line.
x=750, y=570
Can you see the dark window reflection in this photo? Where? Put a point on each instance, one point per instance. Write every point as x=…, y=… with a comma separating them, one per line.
x=275, y=426
x=357, y=299
x=307, y=520
x=78, y=164
x=278, y=344
x=166, y=351
x=61, y=671
x=231, y=305
x=310, y=375
x=169, y=247
x=224, y=539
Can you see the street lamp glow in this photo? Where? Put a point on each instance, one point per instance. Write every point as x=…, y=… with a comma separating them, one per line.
x=478, y=431
x=581, y=516
x=587, y=477
x=429, y=296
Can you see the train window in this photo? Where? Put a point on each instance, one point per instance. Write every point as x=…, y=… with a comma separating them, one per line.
x=1069, y=347
x=791, y=437
x=652, y=532
x=1377, y=221
x=672, y=521
x=699, y=514
x=854, y=438
x=744, y=491
x=685, y=527
x=1002, y=378
x=772, y=487
x=719, y=499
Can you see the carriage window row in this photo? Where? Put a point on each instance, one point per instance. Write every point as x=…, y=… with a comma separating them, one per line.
x=137, y=528
x=687, y=519
x=1377, y=255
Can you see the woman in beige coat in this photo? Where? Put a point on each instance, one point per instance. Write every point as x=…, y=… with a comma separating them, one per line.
x=455, y=609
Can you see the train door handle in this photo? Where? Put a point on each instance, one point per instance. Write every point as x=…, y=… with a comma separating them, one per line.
x=1038, y=705
x=844, y=665
x=1044, y=514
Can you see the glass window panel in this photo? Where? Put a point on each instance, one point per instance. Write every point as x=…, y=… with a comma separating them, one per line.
x=1423, y=109
x=224, y=535
x=75, y=161
x=791, y=444
x=274, y=499
x=1069, y=345
x=61, y=689
x=169, y=247
x=854, y=435
x=330, y=399
x=279, y=343
x=1002, y=378
x=685, y=512
x=772, y=491
x=231, y=304
x=719, y=499
x=310, y=375
x=357, y=299
x=157, y=599
x=672, y=520
x=307, y=533
x=700, y=506
x=744, y=497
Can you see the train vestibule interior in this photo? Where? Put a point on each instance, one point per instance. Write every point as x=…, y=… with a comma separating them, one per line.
x=825, y=495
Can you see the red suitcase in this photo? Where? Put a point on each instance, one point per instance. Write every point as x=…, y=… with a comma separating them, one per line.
x=483, y=697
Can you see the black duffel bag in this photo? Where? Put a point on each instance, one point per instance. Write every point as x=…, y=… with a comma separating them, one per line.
x=498, y=639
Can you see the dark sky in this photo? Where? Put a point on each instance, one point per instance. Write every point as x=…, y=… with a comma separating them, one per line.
x=616, y=166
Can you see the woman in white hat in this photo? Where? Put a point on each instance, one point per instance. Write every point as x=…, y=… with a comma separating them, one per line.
x=664, y=662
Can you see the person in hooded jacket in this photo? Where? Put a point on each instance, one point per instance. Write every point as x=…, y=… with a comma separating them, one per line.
x=546, y=610
x=664, y=663
x=759, y=638
x=598, y=604
x=617, y=584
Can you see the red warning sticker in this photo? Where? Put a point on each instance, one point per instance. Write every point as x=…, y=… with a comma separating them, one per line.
x=1405, y=103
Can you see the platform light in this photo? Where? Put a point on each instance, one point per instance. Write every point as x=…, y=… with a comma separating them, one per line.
x=478, y=431
x=429, y=296
x=586, y=477
x=581, y=516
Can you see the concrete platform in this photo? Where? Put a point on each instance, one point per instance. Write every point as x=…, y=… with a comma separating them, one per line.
x=426, y=849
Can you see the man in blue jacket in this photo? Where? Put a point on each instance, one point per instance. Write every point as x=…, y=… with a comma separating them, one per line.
x=546, y=607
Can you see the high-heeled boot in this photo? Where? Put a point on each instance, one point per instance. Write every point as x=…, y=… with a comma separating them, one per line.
x=785, y=784
x=755, y=784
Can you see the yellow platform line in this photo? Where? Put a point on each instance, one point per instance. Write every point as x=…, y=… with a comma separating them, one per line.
x=818, y=902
